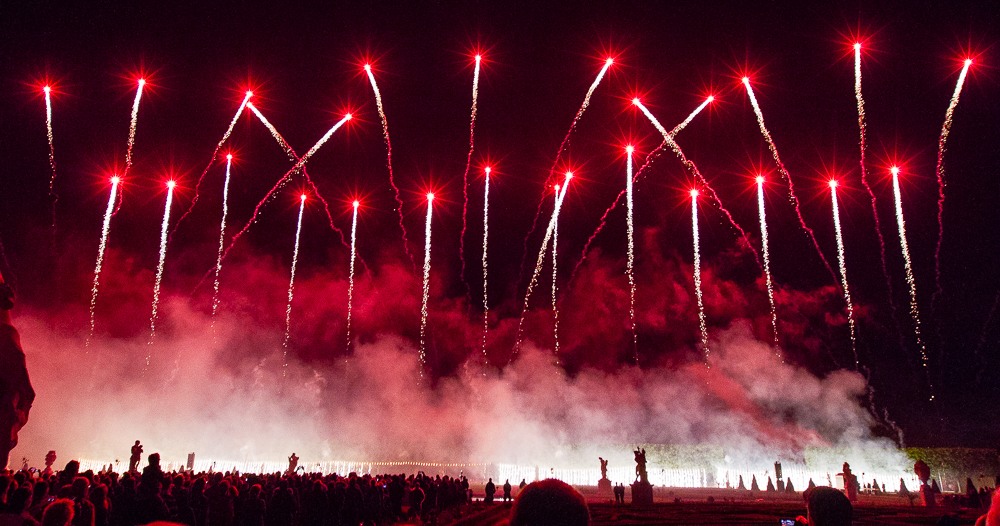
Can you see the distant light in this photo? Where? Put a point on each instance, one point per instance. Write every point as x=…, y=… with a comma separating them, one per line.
x=895, y=170
x=488, y=170
x=142, y=82
x=47, y=89
x=348, y=116
x=968, y=62
x=636, y=101
x=303, y=197
x=857, y=46
x=478, y=58
x=629, y=149
x=171, y=184
x=368, y=67
x=430, y=196
x=557, y=189
x=115, y=180
x=833, y=183
x=569, y=175
x=609, y=61
x=694, y=193
x=229, y=157
x=711, y=98
x=356, y=204
x=249, y=94
x=746, y=80
x=760, y=179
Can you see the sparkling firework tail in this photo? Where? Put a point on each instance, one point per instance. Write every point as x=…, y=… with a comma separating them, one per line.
x=767, y=265
x=914, y=311
x=222, y=239
x=945, y=130
x=427, y=286
x=630, y=266
x=225, y=137
x=538, y=269
x=784, y=173
x=486, y=237
x=697, y=278
x=388, y=146
x=52, y=154
x=159, y=274
x=291, y=288
x=668, y=138
x=843, y=274
x=465, y=177
x=105, y=229
x=131, y=128
x=562, y=146
x=350, y=279
x=555, y=286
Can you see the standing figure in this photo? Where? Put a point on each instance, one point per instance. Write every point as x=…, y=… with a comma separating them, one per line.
x=604, y=468
x=16, y=394
x=640, y=465
x=293, y=462
x=491, y=490
x=506, y=491
x=133, y=461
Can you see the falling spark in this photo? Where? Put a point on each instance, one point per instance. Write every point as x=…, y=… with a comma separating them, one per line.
x=159, y=270
x=562, y=146
x=131, y=127
x=784, y=173
x=630, y=266
x=274, y=132
x=105, y=228
x=945, y=130
x=555, y=286
x=468, y=164
x=843, y=271
x=52, y=151
x=222, y=237
x=864, y=174
x=914, y=311
x=669, y=140
x=350, y=278
x=291, y=285
x=427, y=284
x=538, y=264
x=388, y=146
x=697, y=275
x=767, y=262
x=486, y=237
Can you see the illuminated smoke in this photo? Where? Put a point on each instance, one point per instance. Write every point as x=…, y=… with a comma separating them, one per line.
x=159, y=271
x=427, y=284
x=843, y=271
x=697, y=275
x=914, y=311
x=350, y=279
x=388, y=146
x=784, y=173
x=222, y=238
x=630, y=265
x=468, y=164
x=767, y=262
x=291, y=287
x=131, y=126
x=105, y=228
x=486, y=237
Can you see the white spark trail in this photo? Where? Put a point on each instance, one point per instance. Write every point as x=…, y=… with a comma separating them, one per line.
x=767, y=263
x=291, y=288
x=630, y=266
x=222, y=238
x=52, y=150
x=468, y=164
x=131, y=128
x=427, y=284
x=350, y=279
x=555, y=286
x=105, y=228
x=486, y=237
x=697, y=276
x=843, y=272
x=159, y=271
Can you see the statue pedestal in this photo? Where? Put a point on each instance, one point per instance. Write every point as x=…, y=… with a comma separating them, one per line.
x=642, y=493
x=927, y=496
x=604, y=488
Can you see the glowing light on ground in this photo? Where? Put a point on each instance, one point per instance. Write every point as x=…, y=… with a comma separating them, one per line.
x=291, y=286
x=468, y=164
x=560, y=193
x=486, y=237
x=388, y=147
x=630, y=264
x=159, y=271
x=52, y=150
x=784, y=173
x=105, y=229
x=697, y=276
x=942, y=140
x=131, y=126
x=843, y=270
x=427, y=284
x=222, y=237
x=914, y=310
x=767, y=262
x=350, y=276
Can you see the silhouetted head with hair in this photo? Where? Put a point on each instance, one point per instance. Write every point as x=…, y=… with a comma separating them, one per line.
x=827, y=507
x=549, y=502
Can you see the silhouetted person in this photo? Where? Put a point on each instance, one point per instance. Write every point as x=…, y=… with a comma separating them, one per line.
x=828, y=507
x=83, y=509
x=50, y=458
x=133, y=461
x=521, y=485
x=16, y=394
x=16, y=513
x=293, y=463
x=506, y=491
x=549, y=502
x=59, y=513
x=992, y=517
x=491, y=490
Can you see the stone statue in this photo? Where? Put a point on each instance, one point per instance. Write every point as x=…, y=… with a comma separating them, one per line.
x=640, y=465
x=604, y=468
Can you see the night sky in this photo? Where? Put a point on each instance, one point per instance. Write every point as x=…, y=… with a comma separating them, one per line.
x=304, y=67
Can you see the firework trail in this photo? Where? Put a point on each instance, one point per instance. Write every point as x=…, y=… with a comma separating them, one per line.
x=486, y=237
x=555, y=286
x=222, y=237
x=159, y=271
x=131, y=126
x=291, y=285
x=914, y=311
x=784, y=173
x=538, y=264
x=697, y=275
x=52, y=151
x=562, y=146
x=388, y=146
x=767, y=262
x=649, y=159
x=427, y=284
x=225, y=137
x=300, y=164
x=630, y=266
x=945, y=130
x=350, y=279
x=294, y=157
x=843, y=271
x=468, y=164
x=105, y=228
x=668, y=138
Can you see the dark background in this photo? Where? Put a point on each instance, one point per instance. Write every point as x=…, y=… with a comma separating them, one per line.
x=304, y=66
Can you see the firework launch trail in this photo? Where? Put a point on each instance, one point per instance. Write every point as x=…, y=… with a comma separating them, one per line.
x=159, y=270
x=468, y=165
x=291, y=286
x=350, y=276
x=630, y=264
x=222, y=237
x=131, y=127
x=843, y=270
x=52, y=150
x=555, y=283
x=486, y=238
x=697, y=276
x=427, y=284
x=105, y=229
x=767, y=262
